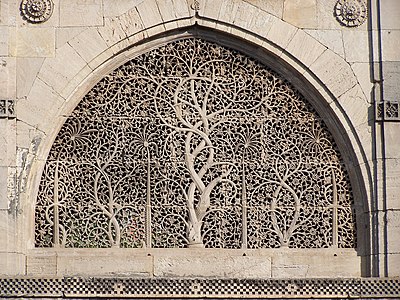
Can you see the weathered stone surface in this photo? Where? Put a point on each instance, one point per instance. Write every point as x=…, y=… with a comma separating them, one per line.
x=103, y=262
x=3, y=186
x=43, y=264
x=356, y=106
x=281, y=33
x=360, y=38
x=390, y=45
x=88, y=44
x=391, y=137
x=65, y=34
x=54, y=72
x=391, y=75
x=390, y=11
x=305, y=48
x=274, y=7
x=4, y=40
x=149, y=13
x=393, y=222
x=213, y=266
x=33, y=42
x=334, y=72
x=310, y=264
x=81, y=13
x=34, y=111
x=332, y=39
x=116, y=8
x=394, y=264
x=27, y=70
x=12, y=264
x=300, y=13
x=7, y=77
x=363, y=74
x=8, y=135
x=228, y=10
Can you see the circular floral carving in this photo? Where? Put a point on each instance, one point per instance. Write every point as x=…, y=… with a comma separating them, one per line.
x=36, y=11
x=351, y=13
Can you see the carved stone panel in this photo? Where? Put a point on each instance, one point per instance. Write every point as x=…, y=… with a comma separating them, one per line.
x=194, y=145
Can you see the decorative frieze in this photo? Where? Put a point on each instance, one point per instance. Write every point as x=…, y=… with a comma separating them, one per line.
x=351, y=13
x=36, y=11
x=388, y=111
x=7, y=108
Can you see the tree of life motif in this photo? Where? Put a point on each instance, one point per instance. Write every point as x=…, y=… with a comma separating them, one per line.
x=194, y=145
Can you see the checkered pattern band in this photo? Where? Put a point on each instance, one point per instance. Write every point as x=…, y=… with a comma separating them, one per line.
x=196, y=288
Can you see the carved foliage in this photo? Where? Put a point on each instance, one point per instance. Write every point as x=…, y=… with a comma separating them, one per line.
x=194, y=145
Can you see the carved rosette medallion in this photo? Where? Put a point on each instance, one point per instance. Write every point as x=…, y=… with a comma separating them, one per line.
x=36, y=11
x=194, y=145
x=351, y=13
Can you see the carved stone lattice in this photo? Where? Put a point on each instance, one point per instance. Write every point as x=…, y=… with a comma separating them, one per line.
x=351, y=13
x=194, y=145
x=36, y=11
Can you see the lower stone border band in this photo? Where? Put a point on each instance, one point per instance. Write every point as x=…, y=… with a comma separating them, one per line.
x=71, y=287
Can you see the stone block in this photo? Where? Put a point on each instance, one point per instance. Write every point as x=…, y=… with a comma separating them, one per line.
x=7, y=77
x=8, y=136
x=274, y=7
x=394, y=265
x=355, y=106
x=182, y=9
x=391, y=75
x=356, y=48
x=334, y=72
x=149, y=13
x=7, y=232
x=27, y=70
x=41, y=264
x=228, y=11
x=260, y=23
x=390, y=185
x=65, y=34
x=250, y=267
x=33, y=42
x=363, y=74
x=88, y=44
x=12, y=264
x=245, y=14
x=390, y=14
x=103, y=262
x=313, y=263
x=81, y=13
x=210, y=8
x=332, y=39
x=305, y=48
x=4, y=40
x=114, y=8
x=3, y=187
x=300, y=13
x=393, y=227
x=391, y=138
x=166, y=10
x=281, y=33
x=37, y=112
x=171, y=10
x=390, y=45
x=59, y=71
